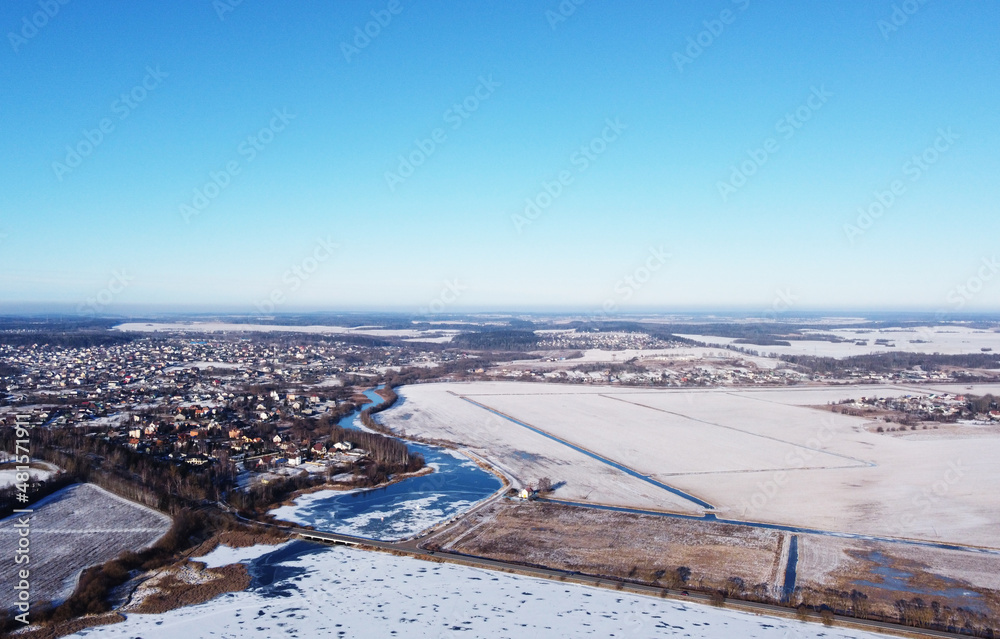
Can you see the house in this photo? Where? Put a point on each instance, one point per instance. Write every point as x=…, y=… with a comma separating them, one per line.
x=343, y=446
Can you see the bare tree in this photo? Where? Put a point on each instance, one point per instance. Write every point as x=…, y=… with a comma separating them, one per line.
x=545, y=485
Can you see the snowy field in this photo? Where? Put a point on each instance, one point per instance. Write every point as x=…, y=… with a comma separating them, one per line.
x=77, y=527
x=947, y=340
x=220, y=327
x=8, y=477
x=429, y=410
x=226, y=555
x=757, y=455
x=310, y=591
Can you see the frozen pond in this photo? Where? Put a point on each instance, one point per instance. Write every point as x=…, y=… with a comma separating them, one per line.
x=306, y=590
x=400, y=510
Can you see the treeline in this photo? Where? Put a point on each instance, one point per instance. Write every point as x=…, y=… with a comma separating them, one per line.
x=160, y=484
x=399, y=450
x=913, y=612
x=303, y=339
x=385, y=451
x=456, y=367
x=259, y=498
x=891, y=362
x=611, y=369
x=352, y=320
x=499, y=339
x=55, y=323
x=982, y=404
x=73, y=339
x=92, y=595
x=763, y=340
x=36, y=490
x=389, y=397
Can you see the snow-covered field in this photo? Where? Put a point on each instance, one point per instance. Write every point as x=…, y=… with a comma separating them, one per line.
x=226, y=555
x=947, y=340
x=77, y=527
x=8, y=477
x=341, y=592
x=429, y=410
x=758, y=455
x=218, y=327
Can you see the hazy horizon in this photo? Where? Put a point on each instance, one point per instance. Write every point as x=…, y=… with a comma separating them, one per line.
x=515, y=156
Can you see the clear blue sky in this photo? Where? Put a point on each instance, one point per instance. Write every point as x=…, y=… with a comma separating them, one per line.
x=546, y=87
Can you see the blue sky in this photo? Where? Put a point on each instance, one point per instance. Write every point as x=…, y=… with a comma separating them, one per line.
x=698, y=161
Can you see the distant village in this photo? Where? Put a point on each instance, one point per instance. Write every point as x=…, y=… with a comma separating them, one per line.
x=909, y=410
x=236, y=400
x=200, y=402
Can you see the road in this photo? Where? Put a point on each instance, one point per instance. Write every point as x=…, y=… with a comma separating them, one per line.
x=710, y=516
x=589, y=580
x=589, y=453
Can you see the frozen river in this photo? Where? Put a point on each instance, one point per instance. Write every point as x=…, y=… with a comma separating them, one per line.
x=400, y=510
